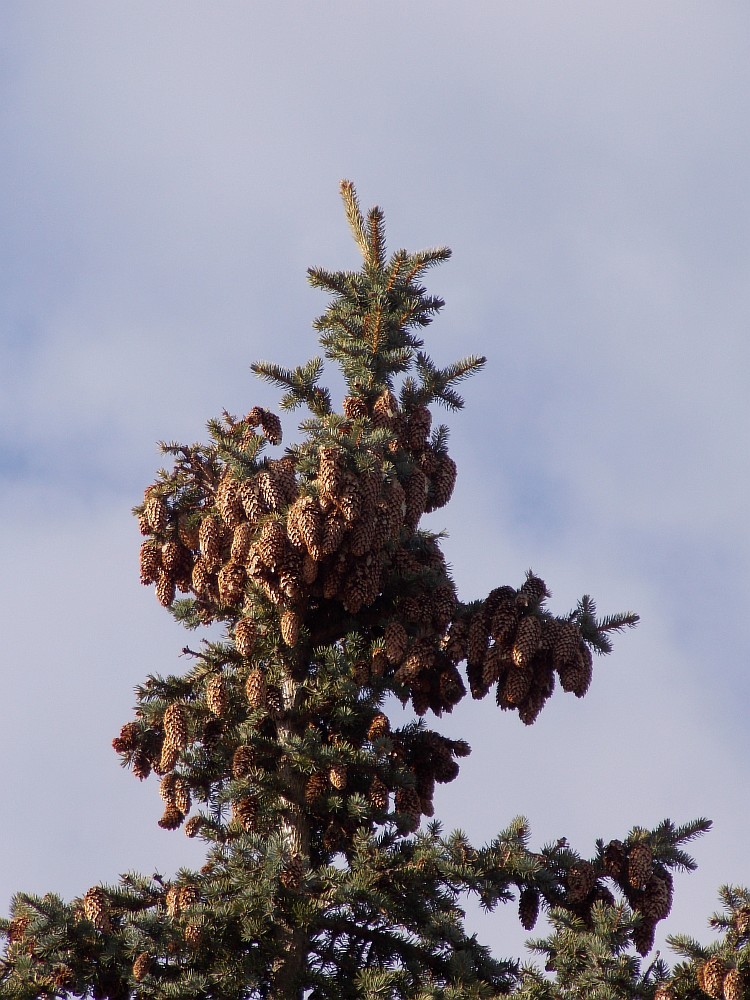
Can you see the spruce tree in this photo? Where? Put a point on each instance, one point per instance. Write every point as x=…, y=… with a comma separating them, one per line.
x=326, y=875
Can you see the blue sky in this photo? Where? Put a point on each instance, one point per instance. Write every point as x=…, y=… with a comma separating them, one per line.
x=169, y=172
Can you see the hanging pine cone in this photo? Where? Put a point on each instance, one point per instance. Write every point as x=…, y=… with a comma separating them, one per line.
x=229, y=501
x=733, y=986
x=362, y=585
x=643, y=936
x=150, y=561
x=172, y=901
x=256, y=688
x=415, y=497
x=217, y=698
x=241, y=540
x=271, y=425
x=96, y=909
x=443, y=482
x=378, y=662
x=292, y=873
x=494, y=666
x=361, y=672
x=141, y=966
x=378, y=794
x=450, y=686
x=140, y=764
x=167, y=786
x=211, y=539
x=384, y=409
x=165, y=588
x=338, y=777
x=155, y=512
x=456, y=641
x=167, y=759
x=192, y=827
x=713, y=972
x=252, y=504
x=418, y=427
x=349, y=500
x=575, y=675
x=581, y=881
x=409, y=806
x=379, y=727
x=615, y=858
x=270, y=490
x=396, y=641
x=283, y=471
x=527, y=640
x=515, y=686
x=245, y=633
x=640, y=861
x=172, y=818
x=232, y=577
x=175, y=726
x=504, y=623
x=532, y=592
x=331, y=472
x=566, y=640
x=419, y=659
x=272, y=545
x=290, y=626
x=528, y=907
x=182, y=795
x=128, y=739
x=193, y=934
x=245, y=811
x=741, y=920
x=315, y=787
x=202, y=579
x=657, y=898
x=354, y=407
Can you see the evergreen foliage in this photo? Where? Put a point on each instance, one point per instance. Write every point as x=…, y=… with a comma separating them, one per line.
x=324, y=875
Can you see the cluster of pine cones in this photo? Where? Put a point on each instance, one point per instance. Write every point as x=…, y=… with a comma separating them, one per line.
x=294, y=547
x=719, y=981
x=408, y=769
x=644, y=882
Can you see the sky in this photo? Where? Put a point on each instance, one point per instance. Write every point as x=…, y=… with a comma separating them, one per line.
x=170, y=170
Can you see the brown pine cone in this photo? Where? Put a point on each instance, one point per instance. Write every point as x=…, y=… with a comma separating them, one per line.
x=714, y=971
x=528, y=908
x=172, y=818
x=96, y=909
x=244, y=636
x=141, y=966
x=640, y=862
x=581, y=881
x=256, y=688
x=378, y=794
x=338, y=777
x=379, y=727
x=292, y=873
x=290, y=626
x=150, y=562
x=733, y=987
x=409, y=806
x=245, y=811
